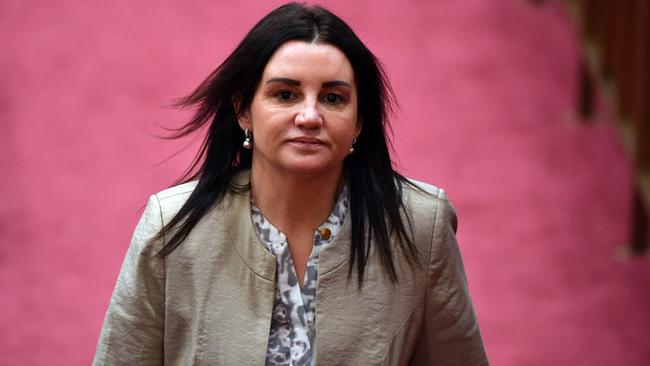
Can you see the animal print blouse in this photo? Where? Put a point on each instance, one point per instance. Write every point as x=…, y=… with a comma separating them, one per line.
x=292, y=338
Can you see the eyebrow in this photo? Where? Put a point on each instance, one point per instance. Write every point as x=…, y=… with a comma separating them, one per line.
x=327, y=84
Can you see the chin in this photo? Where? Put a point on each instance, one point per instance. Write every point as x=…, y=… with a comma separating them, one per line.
x=309, y=171
x=312, y=168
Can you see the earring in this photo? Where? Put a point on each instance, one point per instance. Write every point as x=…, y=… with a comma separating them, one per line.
x=354, y=141
x=248, y=144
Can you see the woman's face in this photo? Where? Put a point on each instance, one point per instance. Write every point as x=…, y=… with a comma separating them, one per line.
x=304, y=112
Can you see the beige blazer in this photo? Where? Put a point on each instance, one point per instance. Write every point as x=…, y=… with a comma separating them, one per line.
x=209, y=302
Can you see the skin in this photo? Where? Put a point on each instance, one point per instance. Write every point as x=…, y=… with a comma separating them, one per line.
x=303, y=118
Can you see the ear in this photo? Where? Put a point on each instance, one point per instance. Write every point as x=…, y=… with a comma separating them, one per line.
x=245, y=121
x=243, y=118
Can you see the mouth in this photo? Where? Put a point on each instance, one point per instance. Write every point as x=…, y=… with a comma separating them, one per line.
x=307, y=142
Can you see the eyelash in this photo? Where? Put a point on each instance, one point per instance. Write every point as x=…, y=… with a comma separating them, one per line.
x=287, y=95
x=282, y=93
x=339, y=98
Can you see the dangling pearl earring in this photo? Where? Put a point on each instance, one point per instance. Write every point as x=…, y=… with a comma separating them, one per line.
x=354, y=141
x=248, y=144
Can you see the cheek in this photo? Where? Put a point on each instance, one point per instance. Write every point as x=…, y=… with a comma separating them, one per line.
x=269, y=127
x=345, y=132
x=353, y=126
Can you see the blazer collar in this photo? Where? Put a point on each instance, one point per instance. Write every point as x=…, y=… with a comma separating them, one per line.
x=236, y=214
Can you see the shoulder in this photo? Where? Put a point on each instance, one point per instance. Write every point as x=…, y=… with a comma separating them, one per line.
x=427, y=202
x=418, y=185
x=419, y=193
x=181, y=191
x=171, y=200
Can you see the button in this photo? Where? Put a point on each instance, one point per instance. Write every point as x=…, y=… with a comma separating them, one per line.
x=325, y=233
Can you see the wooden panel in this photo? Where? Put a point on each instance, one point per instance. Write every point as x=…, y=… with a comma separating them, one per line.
x=641, y=119
x=641, y=87
x=624, y=57
x=605, y=37
x=616, y=61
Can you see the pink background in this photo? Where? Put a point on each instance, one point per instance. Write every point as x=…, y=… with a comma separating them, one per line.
x=486, y=90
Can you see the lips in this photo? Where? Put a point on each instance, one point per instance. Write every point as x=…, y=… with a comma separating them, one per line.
x=307, y=142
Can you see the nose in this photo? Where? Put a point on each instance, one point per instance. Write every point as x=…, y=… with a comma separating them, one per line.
x=309, y=115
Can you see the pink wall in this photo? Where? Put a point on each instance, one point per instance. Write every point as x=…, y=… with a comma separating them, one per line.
x=485, y=90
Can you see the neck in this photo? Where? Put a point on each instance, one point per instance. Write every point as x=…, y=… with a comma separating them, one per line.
x=291, y=201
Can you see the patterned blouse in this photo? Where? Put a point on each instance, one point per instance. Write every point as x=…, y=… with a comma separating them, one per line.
x=292, y=338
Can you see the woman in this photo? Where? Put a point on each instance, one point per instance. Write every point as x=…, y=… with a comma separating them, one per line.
x=295, y=242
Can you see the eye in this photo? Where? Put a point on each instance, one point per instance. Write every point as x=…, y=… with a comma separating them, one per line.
x=333, y=98
x=285, y=95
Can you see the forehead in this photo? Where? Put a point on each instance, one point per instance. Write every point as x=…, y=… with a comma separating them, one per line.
x=301, y=60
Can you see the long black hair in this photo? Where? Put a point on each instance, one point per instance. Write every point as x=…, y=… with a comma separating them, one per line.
x=376, y=205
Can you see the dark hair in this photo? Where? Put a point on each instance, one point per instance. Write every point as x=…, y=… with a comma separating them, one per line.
x=375, y=187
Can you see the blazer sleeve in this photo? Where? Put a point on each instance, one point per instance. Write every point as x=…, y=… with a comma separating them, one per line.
x=133, y=327
x=450, y=333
